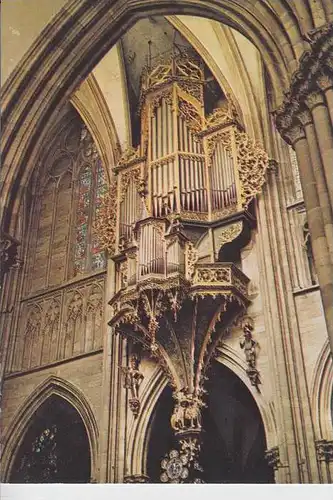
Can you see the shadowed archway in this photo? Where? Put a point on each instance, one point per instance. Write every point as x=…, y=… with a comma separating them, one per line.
x=55, y=448
x=234, y=442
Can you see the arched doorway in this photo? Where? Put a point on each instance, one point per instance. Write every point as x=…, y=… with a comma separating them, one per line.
x=55, y=448
x=234, y=443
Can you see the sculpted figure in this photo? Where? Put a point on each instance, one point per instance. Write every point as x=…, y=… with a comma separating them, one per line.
x=193, y=415
x=133, y=377
x=177, y=418
x=249, y=345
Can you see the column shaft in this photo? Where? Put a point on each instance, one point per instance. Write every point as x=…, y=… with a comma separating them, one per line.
x=324, y=132
x=319, y=176
x=324, y=267
x=329, y=98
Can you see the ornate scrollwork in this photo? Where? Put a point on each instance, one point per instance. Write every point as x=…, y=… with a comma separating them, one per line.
x=131, y=175
x=105, y=223
x=252, y=163
x=129, y=155
x=222, y=116
x=224, y=137
x=165, y=94
x=230, y=233
x=191, y=253
x=190, y=114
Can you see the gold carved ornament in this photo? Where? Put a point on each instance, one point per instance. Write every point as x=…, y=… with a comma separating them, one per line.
x=190, y=114
x=252, y=163
x=106, y=219
x=128, y=176
x=230, y=233
x=129, y=155
x=191, y=258
x=224, y=137
x=222, y=116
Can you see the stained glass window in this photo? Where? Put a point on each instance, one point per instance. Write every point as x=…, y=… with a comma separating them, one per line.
x=98, y=255
x=88, y=255
x=82, y=220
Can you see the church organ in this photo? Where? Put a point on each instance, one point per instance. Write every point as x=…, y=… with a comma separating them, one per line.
x=176, y=199
x=200, y=170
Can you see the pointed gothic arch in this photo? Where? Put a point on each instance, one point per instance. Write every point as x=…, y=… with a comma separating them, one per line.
x=53, y=386
x=275, y=31
x=322, y=394
x=139, y=435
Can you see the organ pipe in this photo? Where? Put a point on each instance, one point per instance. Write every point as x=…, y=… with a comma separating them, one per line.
x=190, y=172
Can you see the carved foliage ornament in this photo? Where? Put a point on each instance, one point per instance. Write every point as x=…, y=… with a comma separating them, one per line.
x=252, y=163
x=223, y=137
x=222, y=116
x=129, y=155
x=190, y=114
x=133, y=175
x=191, y=259
x=230, y=233
x=307, y=79
x=105, y=223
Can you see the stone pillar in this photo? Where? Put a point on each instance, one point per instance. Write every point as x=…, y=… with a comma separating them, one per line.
x=325, y=83
x=321, y=254
x=321, y=118
x=305, y=119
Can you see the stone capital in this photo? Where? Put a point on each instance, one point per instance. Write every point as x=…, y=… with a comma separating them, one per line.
x=314, y=98
x=325, y=81
x=304, y=117
x=294, y=134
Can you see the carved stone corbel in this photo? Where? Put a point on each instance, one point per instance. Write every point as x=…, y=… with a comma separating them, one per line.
x=304, y=116
x=294, y=134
